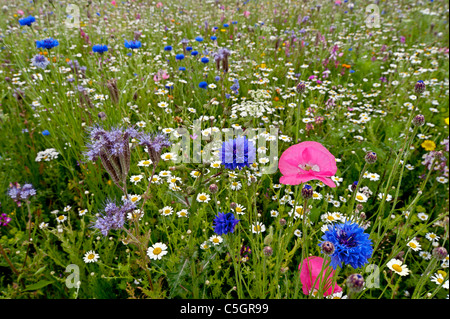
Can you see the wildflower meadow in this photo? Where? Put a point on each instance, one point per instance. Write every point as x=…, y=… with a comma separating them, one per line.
x=224, y=149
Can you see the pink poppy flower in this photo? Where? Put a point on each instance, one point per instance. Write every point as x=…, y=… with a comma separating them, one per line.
x=310, y=271
x=307, y=161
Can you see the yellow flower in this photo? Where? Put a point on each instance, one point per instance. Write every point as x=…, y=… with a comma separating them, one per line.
x=446, y=120
x=428, y=145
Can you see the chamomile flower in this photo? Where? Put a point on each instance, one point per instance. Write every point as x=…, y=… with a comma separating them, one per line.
x=274, y=213
x=425, y=255
x=168, y=157
x=439, y=278
x=432, y=237
x=157, y=251
x=204, y=245
x=258, y=227
x=133, y=198
x=414, y=245
x=203, y=198
x=61, y=218
x=91, y=257
x=183, y=213
x=298, y=233
x=239, y=209
x=166, y=211
x=236, y=186
x=397, y=266
x=145, y=163
x=195, y=174
x=317, y=195
x=136, y=178
x=215, y=239
x=360, y=197
x=422, y=216
x=136, y=214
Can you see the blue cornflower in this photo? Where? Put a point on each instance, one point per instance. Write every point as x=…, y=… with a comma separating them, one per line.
x=134, y=44
x=238, y=153
x=168, y=48
x=40, y=61
x=226, y=25
x=47, y=43
x=27, y=21
x=194, y=53
x=214, y=38
x=234, y=22
x=203, y=85
x=204, y=60
x=188, y=48
x=225, y=223
x=182, y=68
x=352, y=246
x=199, y=39
x=217, y=78
x=100, y=48
x=45, y=133
x=179, y=57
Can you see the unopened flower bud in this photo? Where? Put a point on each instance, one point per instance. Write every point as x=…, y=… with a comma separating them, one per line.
x=213, y=188
x=419, y=87
x=440, y=253
x=371, y=157
x=355, y=282
x=327, y=248
x=301, y=87
x=419, y=120
x=307, y=191
x=268, y=251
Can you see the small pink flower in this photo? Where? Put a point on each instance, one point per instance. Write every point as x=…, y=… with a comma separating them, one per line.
x=246, y=14
x=20, y=12
x=310, y=270
x=113, y=2
x=307, y=161
x=159, y=5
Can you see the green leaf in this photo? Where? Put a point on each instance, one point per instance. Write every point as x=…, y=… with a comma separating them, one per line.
x=39, y=285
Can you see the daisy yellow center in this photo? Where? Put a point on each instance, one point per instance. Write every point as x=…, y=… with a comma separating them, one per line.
x=359, y=197
x=182, y=214
x=197, y=173
x=202, y=197
x=299, y=210
x=146, y=162
x=397, y=268
x=91, y=256
x=61, y=217
x=238, y=209
x=257, y=228
x=133, y=199
x=330, y=218
x=157, y=251
x=216, y=240
x=315, y=195
x=136, y=178
x=168, y=156
x=235, y=183
x=440, y=280
x=412, y=245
